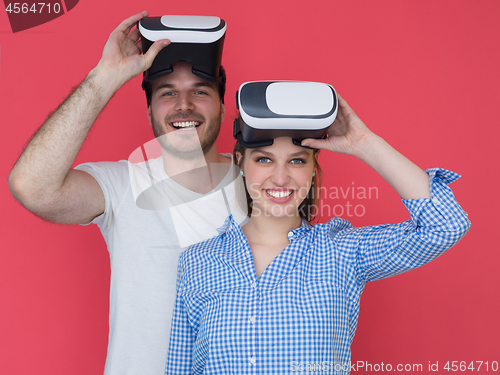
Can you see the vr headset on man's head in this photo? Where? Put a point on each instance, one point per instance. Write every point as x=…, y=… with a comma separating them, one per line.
x=197, y=39
x=272, y=109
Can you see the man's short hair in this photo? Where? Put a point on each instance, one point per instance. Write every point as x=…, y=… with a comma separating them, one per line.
x=221, y=82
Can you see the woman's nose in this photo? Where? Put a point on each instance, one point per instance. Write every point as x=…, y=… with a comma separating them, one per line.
x=280, y=175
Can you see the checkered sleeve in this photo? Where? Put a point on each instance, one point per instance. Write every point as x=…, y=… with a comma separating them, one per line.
x=436, y=224
x=182, y=336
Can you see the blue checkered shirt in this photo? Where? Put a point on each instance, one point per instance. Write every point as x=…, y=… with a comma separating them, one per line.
x=301, y=314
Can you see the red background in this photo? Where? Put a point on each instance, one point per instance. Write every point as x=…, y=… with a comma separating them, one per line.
x=422, y=74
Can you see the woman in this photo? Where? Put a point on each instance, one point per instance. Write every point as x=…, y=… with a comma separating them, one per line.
x=279, y=295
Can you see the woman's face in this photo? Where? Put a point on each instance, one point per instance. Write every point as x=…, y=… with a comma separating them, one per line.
x=278, y=177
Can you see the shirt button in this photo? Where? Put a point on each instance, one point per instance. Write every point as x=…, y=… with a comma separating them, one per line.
x=254, y=285
x=435, y=200
x=253, y=360
x=290, y=235
x=253, y=320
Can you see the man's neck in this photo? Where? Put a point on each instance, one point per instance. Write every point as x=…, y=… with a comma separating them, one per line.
x=200, y=174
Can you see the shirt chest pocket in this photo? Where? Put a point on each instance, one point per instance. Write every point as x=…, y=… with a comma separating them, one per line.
x=200, y=307
x=213, y=313
x=325, y=301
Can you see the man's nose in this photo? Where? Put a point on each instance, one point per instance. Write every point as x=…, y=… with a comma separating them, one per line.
x=184, y=102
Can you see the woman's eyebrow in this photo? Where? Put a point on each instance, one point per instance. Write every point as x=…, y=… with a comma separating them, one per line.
x=299, y=153
x=261, y=151
x=304, y=152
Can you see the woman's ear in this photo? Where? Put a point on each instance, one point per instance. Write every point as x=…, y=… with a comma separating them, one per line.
x=316, y=157
x=238, y=158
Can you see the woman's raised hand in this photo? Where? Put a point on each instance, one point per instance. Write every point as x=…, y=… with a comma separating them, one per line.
x=347, y=135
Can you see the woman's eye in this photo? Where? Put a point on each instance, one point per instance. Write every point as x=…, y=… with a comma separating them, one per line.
x=297, y=161
x=263, y=160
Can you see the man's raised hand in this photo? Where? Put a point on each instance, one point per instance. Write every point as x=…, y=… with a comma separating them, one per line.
x=122, y=53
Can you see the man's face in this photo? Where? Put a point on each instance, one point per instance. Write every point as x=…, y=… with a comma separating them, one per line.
x=185, y=112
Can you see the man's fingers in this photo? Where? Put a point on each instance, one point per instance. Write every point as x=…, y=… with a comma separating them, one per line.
x=130, y=22
x=155, y=48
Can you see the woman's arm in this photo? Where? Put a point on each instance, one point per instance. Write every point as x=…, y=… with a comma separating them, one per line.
x=436, y=224
x=182, y=338
x=349, y=135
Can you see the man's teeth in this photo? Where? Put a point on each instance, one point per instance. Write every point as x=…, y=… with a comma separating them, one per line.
x=279, y=194
x=185, y=124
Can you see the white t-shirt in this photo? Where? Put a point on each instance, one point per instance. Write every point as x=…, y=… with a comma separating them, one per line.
x=144, y=242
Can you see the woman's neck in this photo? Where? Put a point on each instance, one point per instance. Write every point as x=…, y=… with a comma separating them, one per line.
x=267, y=237
x=268, y=230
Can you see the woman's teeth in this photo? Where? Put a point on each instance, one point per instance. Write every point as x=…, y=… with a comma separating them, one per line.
x=279, y=194
x=185, y=124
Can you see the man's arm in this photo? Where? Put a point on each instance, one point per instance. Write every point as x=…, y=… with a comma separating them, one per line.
x=349, y=135
x=42, y=179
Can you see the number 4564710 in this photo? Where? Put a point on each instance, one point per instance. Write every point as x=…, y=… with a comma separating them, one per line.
x=34, y=8
x=474, y=365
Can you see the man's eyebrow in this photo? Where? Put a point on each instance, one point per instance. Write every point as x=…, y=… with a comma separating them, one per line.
x=195, y=85
x=203, y=84
x=165, y=86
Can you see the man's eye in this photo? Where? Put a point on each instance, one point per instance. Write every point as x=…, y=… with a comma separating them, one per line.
x=168, y=93
x=201, y=93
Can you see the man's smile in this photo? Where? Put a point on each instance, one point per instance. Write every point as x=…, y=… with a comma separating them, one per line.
x=185, y=124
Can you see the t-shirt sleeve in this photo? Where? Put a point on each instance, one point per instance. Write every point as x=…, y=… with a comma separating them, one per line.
x=113, y=179
x=436, y=224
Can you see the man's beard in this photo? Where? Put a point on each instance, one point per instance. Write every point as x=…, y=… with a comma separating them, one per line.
x=181, y=151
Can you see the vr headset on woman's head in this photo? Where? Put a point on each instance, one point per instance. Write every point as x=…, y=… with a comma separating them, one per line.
x=272, y=109
x=197, y=39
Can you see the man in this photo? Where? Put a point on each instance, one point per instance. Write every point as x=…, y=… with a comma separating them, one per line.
x=143, y=235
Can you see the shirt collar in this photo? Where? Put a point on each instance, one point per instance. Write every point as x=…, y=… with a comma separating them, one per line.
x=299, y=232
x=227, y=225
x=230, y=225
